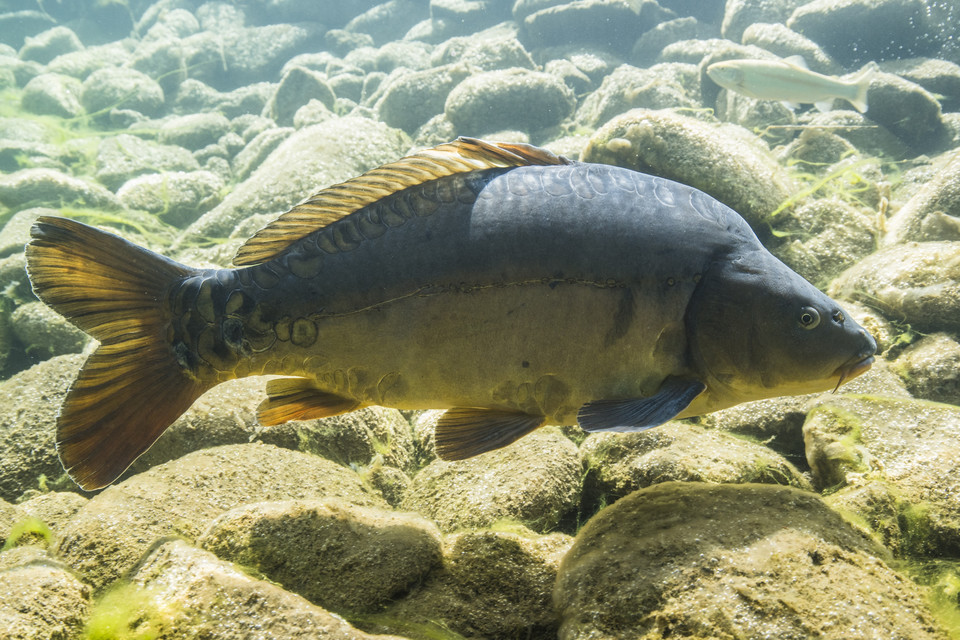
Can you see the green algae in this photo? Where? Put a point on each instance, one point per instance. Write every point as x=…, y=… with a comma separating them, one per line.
x=29, y=531
x=128, y=611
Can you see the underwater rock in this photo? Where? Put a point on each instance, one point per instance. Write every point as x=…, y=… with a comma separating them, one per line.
x=16, y=232
x=179, y=591
x=409, y=99
x=53, y=94
x=508, y=99
x=111, y=532
x=53, y=508
x=342, y=42
x=605, y=24
x=297, y=87
x=861, y=132
x=619, y=464
x=904, y=24
x=112, y=88
x=912, y=444
x=49, y=44
x=692, y=51
x=81, y=64
x=660, y=87
x=28, y=416
x=177, y=197
x=915, y=283
x=930, y=368
x=535, y=481
x=933, y=213
x=41, y=600
x=385, y=21
x=9, y=515
x=571, y=76
x=725, y=161
x=258, y=149
x=781, y=41
x=194, y=96
x=826, y=236
x=483, y=52
x=44, y=332
x=347, y=85
x=757, y=561
x=493, y=584
x=875, y=504
x=651, y=43
x=339, y=556
x=301, y=165
x=939, y=77
x=354, y=438
x=450, y=18
x=738, y=15
x=16, y=26
x=40, y=187
x=907, y=110
x=193, y=131
x=123, y=157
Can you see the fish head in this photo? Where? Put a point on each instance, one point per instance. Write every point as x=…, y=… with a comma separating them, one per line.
x=728, y=75
x=757, y=330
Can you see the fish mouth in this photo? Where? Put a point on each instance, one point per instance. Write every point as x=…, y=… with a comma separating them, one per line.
x=852, y=369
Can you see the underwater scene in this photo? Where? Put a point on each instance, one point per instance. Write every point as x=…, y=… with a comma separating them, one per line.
x=507, y=319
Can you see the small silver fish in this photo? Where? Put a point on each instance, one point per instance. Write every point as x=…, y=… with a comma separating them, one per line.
x=790, y=81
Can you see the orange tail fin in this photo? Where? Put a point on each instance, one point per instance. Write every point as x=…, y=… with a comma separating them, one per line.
x=132, y=387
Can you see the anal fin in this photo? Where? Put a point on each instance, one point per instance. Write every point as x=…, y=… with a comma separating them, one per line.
x=638, y=414
x=300, y=399
x=465, y=432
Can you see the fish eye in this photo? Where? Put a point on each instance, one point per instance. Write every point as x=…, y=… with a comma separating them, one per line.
x=809, y=318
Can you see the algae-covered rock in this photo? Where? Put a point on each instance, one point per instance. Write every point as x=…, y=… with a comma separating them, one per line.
x=44, y=332
x=493, y=584
x=483, y=52
x=907, y=110
x=123, y=157
x=411, y=98
x=41, y=600
x=53, y=508
x=9, y=515
x=176, y=197
x=120, y=88
x=297, y=87
x=725, y=161
x=930, y=368
x=916, y=283
x=16, y=232
x=606, y=24
x=732, y=561
x=180, y=592
x=738, y=15
x=912, y=444
x=29, y=402
x=536, y=481
x=933, y=213
x=659, y=87
x=53, y=94
x=339, y=556
x=619, y=464
x=508, y=99
x=353, y=438
x=49, y=44
x=876, y=505
x=193, y=131
x=826, y=236
x=110, y=533
x=304, y=163
x=49, y=187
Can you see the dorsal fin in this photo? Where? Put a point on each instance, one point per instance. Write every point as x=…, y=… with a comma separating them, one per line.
x=333, y=203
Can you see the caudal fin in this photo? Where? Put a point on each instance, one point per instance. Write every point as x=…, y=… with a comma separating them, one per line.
x=862, y=82
x=132, y=387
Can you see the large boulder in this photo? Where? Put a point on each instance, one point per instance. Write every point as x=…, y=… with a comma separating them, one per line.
x=933, y=213
x=41, y=600
x=732, y=561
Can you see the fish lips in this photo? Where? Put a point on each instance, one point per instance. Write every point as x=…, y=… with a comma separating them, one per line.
x=856, y=366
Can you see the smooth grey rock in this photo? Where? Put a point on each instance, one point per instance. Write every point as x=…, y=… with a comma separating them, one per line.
x=740, y=14
x=508, y=99
x=298, y=87
x=111, y=532
x=940, y=77
x=410, y=99
x=339, y=556
x=907, y=110
x=460, y=17
x=651, y=43
x=725, y=161
x=30, y=401
x=178, y=198
x=916, y=283
x=193, y=131
x=930, y=368
x=42, y=600
x=40, y=187
x=53, y=94
x=304, y=163
x=49, y=44
x=124, y=157
x=535, y=481
x=753, y=561
x=112, y=88
x=186, y=592
x=610, y=25
x=933, y=213
x=386, y=20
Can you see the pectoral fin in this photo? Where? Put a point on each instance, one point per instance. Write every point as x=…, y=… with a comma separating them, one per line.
x=465, y=432
x=300, y=399
x=637, y=414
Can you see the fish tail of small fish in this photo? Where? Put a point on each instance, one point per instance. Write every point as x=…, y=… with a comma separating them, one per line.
x=861, y=82
x=132, y=387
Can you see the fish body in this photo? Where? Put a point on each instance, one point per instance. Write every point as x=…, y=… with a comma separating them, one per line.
x=790, y=81
x=504, y=284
